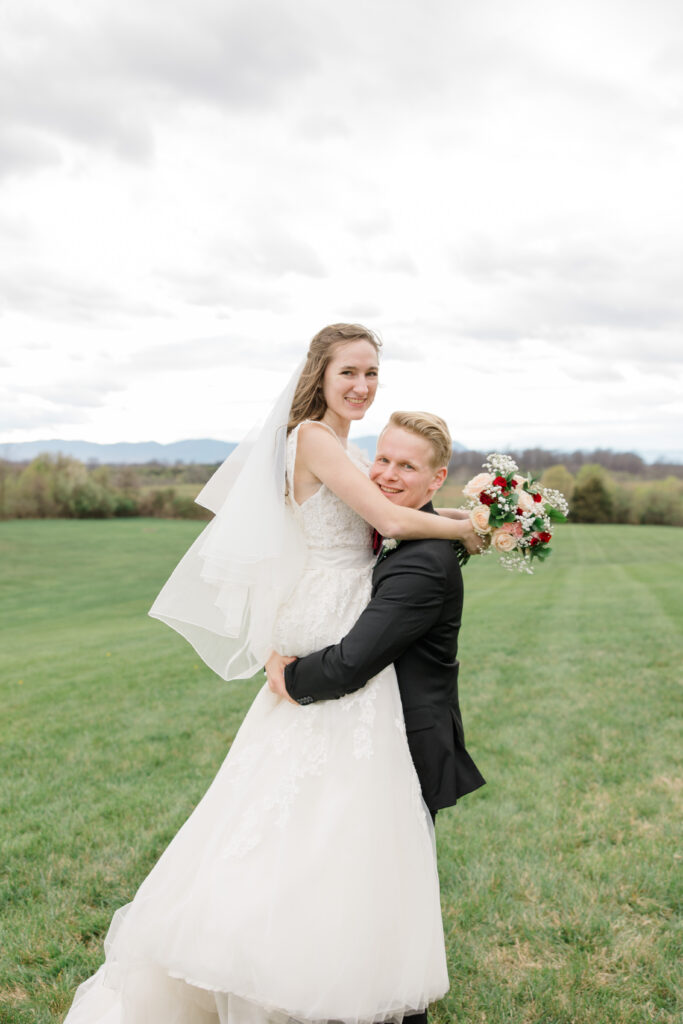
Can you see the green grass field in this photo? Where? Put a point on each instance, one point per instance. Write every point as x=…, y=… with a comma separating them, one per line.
x=561, y=879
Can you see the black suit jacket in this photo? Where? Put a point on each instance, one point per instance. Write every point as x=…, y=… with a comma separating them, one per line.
x=412, y=620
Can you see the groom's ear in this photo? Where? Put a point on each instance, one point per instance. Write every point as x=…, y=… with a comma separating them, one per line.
x=438, y=479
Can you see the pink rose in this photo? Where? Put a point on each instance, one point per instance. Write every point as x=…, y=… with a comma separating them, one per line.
x=514, y=528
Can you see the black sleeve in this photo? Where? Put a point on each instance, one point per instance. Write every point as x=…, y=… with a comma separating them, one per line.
x=405, y=605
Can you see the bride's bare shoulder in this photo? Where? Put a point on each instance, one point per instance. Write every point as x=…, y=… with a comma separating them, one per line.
x=314, y=433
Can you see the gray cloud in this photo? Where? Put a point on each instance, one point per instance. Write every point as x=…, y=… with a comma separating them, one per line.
x=215, y=352
x=88, y=392
x=50, y=294
x=29, y=416
x=492, y=260
x=36, y=346
x=22, y=151
x=567, y=291
x=14, y=228
x=222, y=291
x=398, y=263
x=360, y=310
x=403, y=352
x=234, y=55
x=372, y=227
x=104, y=80
x=273, y=252
x=320, y=125
x=593, y=372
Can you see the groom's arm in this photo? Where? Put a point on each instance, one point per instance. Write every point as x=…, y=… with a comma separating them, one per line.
x=405, y=605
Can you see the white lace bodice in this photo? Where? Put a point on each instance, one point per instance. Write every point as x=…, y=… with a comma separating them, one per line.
x=328, y=523
x=336, y=583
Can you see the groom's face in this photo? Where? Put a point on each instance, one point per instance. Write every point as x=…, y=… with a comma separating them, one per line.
x=404, y=468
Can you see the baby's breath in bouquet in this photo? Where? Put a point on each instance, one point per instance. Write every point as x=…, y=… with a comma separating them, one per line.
x=515, y=512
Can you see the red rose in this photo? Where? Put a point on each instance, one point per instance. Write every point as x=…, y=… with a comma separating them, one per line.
x=545, y=536
x=538, y=497
x=533, y=542
x=514, y=483
x=486, y=499
x=520, y=512
x=500, y=481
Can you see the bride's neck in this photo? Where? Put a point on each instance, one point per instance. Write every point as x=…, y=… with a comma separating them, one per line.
x=340, y=426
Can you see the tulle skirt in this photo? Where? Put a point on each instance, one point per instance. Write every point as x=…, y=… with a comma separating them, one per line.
x=302, y=888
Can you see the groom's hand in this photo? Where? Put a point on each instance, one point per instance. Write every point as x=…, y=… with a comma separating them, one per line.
x=275, y=674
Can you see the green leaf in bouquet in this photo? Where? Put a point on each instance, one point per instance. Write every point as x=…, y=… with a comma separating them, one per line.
x=541, y=553
x=555, y=514
x=538, y=523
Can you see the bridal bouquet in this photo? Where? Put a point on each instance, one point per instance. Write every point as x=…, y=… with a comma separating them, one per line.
x=515, y=512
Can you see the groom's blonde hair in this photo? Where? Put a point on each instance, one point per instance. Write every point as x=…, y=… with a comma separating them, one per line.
x=432, y=428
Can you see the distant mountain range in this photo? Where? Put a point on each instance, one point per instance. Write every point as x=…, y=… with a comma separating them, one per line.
x=202, y=450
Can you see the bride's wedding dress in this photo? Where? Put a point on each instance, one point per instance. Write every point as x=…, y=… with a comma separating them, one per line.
x=304, y=885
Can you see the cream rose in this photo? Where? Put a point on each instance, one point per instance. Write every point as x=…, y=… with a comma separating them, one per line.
x=525, y=501
x=477, y=484
x=479, y=517
x=501, y=540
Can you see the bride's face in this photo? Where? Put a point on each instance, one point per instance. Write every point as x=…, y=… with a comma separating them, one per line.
x=350, y=380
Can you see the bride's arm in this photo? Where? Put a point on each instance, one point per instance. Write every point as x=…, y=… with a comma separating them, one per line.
x=453, y=513
x=325, y=458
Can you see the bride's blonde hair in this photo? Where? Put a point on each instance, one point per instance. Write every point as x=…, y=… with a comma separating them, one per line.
x=309, y=402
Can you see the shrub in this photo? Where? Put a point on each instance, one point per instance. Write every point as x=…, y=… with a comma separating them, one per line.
x=659, y=502
x=187, y=508
x=559, y=479
x=591, y=501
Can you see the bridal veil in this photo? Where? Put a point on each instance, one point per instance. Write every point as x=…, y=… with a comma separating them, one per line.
x=224, y=593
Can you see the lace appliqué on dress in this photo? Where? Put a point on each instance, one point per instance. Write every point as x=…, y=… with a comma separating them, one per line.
x=304, y=751
x=363, y=704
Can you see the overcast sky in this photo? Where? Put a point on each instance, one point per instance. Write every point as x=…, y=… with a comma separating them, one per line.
x=190, y=189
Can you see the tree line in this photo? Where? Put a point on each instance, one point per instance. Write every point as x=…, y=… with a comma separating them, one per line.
x=601, y=487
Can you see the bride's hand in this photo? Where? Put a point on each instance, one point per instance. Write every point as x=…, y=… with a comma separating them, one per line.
x=275, y=674
x=474, y=543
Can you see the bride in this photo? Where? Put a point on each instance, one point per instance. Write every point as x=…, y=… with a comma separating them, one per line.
x=303, y=887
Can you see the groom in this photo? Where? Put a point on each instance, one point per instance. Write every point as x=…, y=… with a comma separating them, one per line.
x=412, y=620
